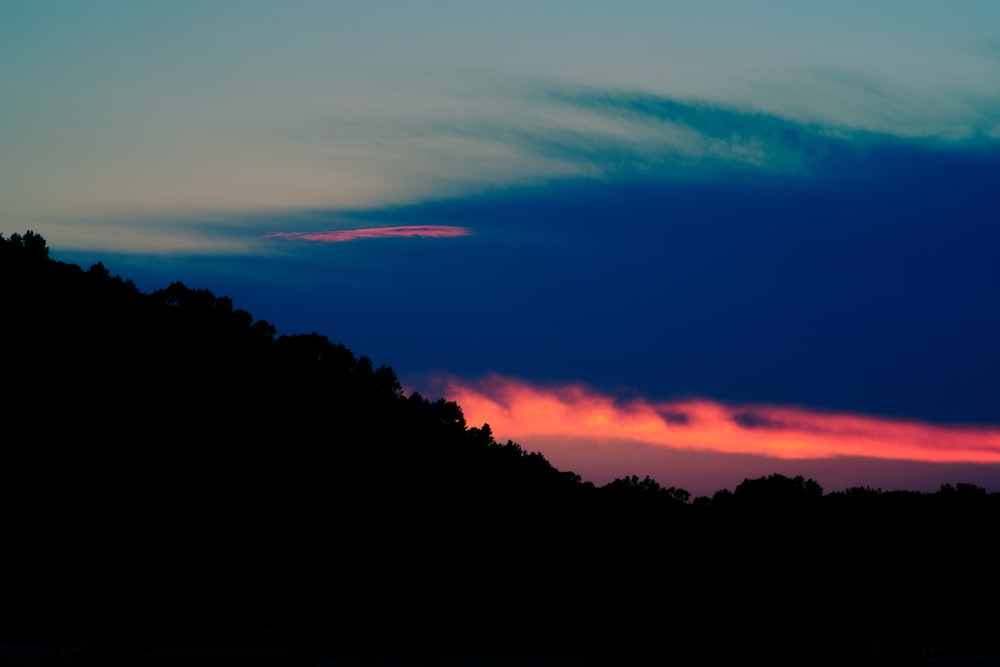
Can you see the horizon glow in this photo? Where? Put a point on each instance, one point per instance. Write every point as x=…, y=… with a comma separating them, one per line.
x=519, y=410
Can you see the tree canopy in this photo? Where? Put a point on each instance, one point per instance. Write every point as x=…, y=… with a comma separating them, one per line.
x=175, y=468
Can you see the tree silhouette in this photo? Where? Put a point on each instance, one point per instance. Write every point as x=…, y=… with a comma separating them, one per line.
x=31, y=245
x=167, y=451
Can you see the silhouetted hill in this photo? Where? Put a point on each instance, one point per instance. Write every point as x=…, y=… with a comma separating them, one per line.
x=177, y=475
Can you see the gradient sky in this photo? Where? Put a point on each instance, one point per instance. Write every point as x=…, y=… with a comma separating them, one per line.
x=783, y=214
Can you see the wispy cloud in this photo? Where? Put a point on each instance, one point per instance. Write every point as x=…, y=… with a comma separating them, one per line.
x=725, y=132
x=474, y=141
x=520, y=410
x=344, y=235
x=580, y=131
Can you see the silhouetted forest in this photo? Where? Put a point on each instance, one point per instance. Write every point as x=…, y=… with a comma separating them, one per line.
x=175, y=475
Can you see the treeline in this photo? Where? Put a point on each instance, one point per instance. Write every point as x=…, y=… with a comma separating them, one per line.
x=175, y=469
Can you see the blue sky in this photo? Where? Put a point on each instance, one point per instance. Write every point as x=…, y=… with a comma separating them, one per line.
x=136, y=109
x=771, y=203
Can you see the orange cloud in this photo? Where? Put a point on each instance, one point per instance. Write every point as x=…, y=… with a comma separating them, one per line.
x=521, y=411
x=340, y=236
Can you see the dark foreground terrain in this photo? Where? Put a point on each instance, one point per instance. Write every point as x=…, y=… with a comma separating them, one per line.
x=180, y=485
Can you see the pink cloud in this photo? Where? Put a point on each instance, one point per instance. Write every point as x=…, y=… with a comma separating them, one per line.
x=340, y=236
x=583, y=430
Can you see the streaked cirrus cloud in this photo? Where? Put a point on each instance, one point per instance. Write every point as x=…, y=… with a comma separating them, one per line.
x=525, y=412
x=343, y=235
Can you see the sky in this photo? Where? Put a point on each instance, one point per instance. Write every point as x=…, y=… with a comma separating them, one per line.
x=701, y=241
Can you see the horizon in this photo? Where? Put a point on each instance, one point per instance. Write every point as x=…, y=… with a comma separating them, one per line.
x=578, y=423
x=639, y=240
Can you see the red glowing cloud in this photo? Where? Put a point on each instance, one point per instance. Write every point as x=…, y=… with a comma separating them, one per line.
x=518, y=410
x=340, y=236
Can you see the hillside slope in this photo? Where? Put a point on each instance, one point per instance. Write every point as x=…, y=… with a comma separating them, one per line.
x=174, y=470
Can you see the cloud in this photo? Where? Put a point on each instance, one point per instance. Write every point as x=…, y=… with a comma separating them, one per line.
x=466, y=142
x=750, y=419
x=524, y=411
x=672, y=417
x=602, y=133
x=608, y=133
x=343, y=235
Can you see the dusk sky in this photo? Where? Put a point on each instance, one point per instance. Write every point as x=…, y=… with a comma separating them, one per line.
x=699, y=241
